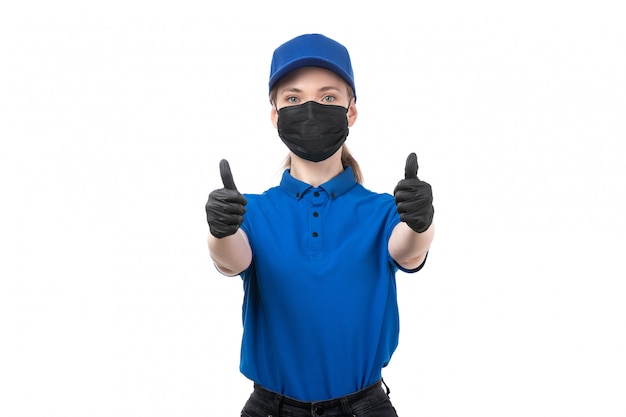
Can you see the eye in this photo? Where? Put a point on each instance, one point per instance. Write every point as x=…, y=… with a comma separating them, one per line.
x=292, y=100
x=328, y=99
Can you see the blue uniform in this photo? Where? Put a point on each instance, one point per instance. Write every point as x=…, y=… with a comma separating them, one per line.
x=320, y=313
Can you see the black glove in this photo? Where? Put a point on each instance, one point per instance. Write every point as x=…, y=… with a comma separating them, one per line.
x=414, y=198
x=226, y=206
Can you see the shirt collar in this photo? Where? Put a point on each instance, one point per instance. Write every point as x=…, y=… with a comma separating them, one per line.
x=335, y=187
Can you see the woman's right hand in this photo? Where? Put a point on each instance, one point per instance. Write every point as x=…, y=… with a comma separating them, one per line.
x=226, y=206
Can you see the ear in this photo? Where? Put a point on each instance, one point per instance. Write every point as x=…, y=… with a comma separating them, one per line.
x=274, y=116
x=352, y=113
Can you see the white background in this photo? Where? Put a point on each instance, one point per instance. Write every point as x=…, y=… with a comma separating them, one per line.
x=114, y=116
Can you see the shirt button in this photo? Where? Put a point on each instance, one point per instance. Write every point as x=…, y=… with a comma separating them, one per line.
x=315, y=234
x=316, y=194
x=332, y=195
x=315, y=214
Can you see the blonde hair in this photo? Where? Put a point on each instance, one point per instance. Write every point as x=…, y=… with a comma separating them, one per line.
x=346, y=157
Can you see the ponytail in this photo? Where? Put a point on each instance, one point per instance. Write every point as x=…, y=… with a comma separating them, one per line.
x=348, y=160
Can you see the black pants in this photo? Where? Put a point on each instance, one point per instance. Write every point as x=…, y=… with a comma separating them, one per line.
x=372, y=401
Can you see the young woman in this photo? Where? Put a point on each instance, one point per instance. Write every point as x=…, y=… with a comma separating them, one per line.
x=318, y=253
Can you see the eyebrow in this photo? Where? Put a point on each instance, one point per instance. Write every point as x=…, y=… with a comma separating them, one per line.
x=328, y=88
x=290, y=90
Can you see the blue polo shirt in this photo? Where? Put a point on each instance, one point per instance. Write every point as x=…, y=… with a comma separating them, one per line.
x=320, y=313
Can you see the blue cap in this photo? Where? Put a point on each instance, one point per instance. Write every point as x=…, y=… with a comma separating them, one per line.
x=311, y=50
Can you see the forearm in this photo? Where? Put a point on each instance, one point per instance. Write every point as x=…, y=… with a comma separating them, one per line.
x=409, y=248
x=231, y=254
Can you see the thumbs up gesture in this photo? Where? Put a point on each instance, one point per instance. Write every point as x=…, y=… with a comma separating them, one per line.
x=226, y=206
x=414, y=198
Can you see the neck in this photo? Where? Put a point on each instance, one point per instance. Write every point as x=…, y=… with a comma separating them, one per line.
x=316, y=173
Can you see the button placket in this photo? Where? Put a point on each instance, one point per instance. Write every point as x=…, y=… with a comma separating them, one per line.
x=318, y=199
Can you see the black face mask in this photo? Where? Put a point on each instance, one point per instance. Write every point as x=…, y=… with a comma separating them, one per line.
x=313, y=131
